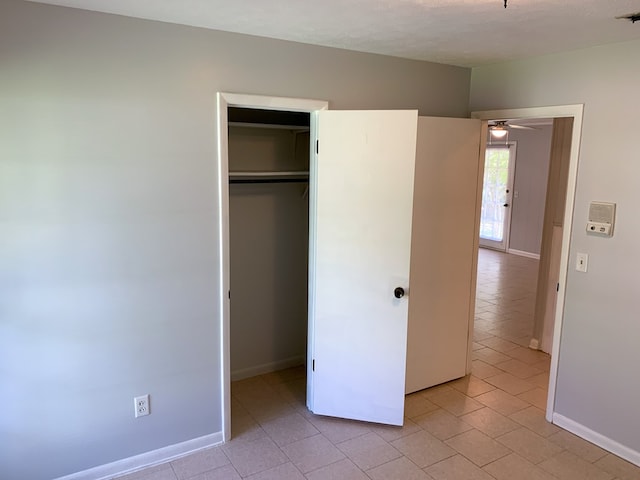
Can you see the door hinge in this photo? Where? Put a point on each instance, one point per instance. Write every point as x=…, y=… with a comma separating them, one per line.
x=317, y=146
x=229, y=294
x=557, y=287
x=313, y=365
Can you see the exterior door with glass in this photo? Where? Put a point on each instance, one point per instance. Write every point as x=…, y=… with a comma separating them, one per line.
x=497, y=196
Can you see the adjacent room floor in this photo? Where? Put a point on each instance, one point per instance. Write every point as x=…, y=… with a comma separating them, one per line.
x=489, y=425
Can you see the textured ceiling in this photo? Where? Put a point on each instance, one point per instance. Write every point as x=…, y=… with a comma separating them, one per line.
x=457, y=32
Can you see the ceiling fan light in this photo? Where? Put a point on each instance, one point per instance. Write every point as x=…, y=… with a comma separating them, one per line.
x=498, y=132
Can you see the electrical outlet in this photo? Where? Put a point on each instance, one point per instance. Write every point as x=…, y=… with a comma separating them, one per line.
x=141, y=405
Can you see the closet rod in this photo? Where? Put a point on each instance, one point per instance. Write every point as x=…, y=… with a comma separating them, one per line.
x=268, y=180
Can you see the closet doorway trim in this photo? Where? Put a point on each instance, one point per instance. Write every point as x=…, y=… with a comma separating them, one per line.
x=225, y=100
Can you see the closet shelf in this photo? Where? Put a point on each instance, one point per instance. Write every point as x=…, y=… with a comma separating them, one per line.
x=298, y=128
x=268, y=176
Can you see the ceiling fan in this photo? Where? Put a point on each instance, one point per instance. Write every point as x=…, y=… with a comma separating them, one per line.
x=500, y=128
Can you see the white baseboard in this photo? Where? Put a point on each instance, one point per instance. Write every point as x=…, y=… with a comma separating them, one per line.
x=266, y=368
x=524, y=254
x=597, y=438
x=148, y=459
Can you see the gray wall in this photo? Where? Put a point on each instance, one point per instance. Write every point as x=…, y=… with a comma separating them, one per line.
x=530, y=183
x=108, y=215
x=599, y=356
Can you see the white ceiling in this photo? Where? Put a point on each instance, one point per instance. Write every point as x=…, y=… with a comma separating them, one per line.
x=457, y=32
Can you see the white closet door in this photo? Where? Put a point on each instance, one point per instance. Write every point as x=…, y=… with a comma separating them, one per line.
x=360, y=253
x=444, y=250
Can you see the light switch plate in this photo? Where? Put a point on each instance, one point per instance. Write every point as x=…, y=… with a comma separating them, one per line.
x=582, y=261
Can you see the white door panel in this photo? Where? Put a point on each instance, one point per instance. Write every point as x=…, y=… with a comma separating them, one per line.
x=444, y=250
x=360, y=248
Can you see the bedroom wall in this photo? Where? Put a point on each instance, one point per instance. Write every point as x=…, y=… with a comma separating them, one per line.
x=108, y=201
x=598, y=349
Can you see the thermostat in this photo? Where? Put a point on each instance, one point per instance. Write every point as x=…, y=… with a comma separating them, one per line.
x=601, y=218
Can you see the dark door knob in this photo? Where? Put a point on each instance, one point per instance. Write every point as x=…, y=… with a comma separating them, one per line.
x=505, y=205
x=398, y=292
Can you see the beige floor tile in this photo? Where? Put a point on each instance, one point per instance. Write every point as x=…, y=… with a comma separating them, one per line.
x=502, y=402
x=618, y=467
x=250, y=388
x=286, y=471
x=268, y=408
x=519, y=369
x=294, y=392
x=478, y=447
x=568, y=466
x=476, y=346
x=423, y=449
x=246, y=432
x=479, y=335
x=483, y=370
x=522, y=340
x=541, y=380
x=442, y=424
x=528, y=355
x=455, y=402
x=338, y=430
x=510, y=384
x=544, y=365
x=457, y=468
x=533, y=418
x=529, y=445
x=471, y=386
x=253, y=457
x=312, y=453
x=368, y=451
x=237, y=410
x=514, y=467
x=489, y=356
x=417, y=404
x=289, y=429
x=391, y=433
x=199, y=462
x=536, y=397
x=578, y=446
x=433, y=391
x=342, y=470
x=286, y=375
x=490, y=422
x=499, y=344
x=222, y=473
x=158, y=472
x=400, y=469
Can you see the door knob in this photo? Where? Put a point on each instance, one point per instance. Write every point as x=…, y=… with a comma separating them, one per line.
x=505, y=205
x=398, y=292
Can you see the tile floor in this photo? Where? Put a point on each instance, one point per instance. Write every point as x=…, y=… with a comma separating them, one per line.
x=486, y=426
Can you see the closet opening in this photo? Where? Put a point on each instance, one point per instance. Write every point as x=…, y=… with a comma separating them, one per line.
x=265, y=164
x=268, y=239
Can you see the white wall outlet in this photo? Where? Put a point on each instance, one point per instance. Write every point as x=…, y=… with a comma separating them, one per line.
x=582, y=261
x=141, y=405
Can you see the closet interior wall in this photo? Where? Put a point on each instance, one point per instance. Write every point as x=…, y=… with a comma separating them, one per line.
x=269, y=230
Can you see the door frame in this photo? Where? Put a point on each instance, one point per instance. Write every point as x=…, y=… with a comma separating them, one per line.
x=263, y=102
x=512, y=147
x=576, y=112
